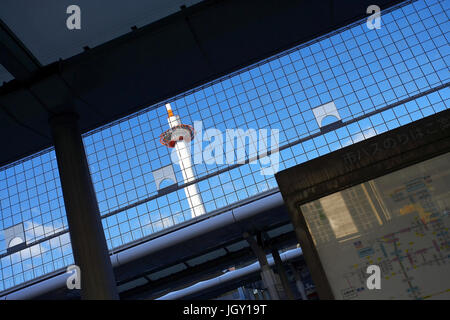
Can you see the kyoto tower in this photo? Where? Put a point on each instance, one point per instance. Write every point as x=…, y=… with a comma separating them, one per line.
x=179, y=136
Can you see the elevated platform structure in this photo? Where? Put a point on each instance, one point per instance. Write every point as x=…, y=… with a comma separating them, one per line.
x=187, y=253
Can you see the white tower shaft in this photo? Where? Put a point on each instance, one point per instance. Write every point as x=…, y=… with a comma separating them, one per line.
x=184, y=160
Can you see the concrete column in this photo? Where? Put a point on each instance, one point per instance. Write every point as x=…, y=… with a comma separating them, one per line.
x=267, y=275
x=299, y=282
x=86, y=232
x=282, y=273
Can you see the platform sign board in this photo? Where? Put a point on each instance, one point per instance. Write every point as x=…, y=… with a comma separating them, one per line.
x=399, y=222
x=390, y=210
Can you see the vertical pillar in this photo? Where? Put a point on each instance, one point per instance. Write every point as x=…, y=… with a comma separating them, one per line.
x=310, y=253
x=299, y=282
x=241, y=293
x=86, y=232
x=282, y=273
x=267, y=275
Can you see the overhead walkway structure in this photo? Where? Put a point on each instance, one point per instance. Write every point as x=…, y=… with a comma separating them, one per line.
x=298, y=66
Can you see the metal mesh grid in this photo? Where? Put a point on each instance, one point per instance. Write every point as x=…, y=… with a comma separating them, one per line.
x=31, y=195
x=361, y=71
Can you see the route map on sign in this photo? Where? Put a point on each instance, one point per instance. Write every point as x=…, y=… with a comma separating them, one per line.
x=399, y=222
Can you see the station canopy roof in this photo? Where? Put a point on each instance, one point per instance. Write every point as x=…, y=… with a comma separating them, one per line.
x=132, y=54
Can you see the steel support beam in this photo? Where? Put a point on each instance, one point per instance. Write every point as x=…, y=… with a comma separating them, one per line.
x=14, y=56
